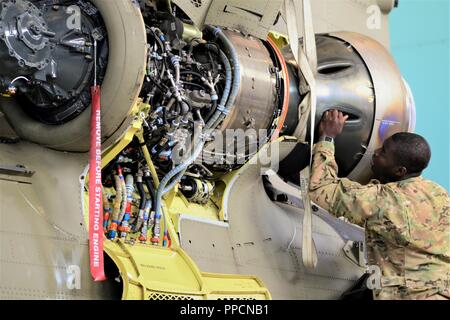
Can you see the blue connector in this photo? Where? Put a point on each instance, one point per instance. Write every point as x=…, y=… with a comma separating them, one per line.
x=112, y=234
x=223, y=110
x=217, y=30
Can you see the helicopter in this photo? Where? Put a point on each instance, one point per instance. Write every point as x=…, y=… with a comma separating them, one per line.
x=208, y=113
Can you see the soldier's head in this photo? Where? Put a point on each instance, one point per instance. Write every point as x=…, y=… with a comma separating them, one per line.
x=403, y=155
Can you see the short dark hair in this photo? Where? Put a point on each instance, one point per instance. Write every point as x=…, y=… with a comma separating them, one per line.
x=411, y=151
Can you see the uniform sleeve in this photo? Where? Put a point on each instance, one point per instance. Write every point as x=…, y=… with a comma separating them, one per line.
x=340, y=196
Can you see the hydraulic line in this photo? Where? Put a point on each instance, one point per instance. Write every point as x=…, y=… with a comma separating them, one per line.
x=114, y=219
x=162, y=187
x=125, y=225
x=142, y=201
x=151, y=203
x=148, y=159
x=124, y=195
x=175, y=60
x=222, y=112
x=174, y=181
x=150, y=186
x=106, y=211
x=215, y=113
x=145, y=223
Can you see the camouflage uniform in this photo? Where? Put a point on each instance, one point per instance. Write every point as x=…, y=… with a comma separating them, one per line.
x=406, y=222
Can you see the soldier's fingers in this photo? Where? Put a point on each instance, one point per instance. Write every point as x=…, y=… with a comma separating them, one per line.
x=331, y=114
x=345, y=117
x=336, y=114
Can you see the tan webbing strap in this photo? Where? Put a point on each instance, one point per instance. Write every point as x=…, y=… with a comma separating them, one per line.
x=307, y=60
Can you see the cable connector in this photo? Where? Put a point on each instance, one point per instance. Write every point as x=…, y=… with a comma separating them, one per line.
x=175, y=60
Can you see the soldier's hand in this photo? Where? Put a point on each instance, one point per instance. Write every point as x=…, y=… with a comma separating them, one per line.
x=332, y=123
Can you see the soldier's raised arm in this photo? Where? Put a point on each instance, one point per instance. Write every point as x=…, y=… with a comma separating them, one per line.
x=339, y=196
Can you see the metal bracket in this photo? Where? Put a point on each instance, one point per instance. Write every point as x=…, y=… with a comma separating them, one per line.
x=354, y=250
x=18, y=173
x=17, y=170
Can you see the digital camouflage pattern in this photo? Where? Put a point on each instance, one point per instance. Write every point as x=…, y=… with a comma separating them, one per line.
x=406, y=222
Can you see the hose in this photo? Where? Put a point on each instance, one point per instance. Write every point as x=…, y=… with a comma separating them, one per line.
x=106, y=211
x=175, y=172
x=148, y=207
x=150, y=203
x=213, y=110
x=199, y=115
x=221, y=112
x=226, y=91
x=129, y=189
x=174, y=181
x=124, y=195
x=142, y=202
x=147, y=157
x=112, y=228
x=176, y=64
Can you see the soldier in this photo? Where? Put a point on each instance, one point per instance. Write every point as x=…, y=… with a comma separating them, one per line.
x=406, y=217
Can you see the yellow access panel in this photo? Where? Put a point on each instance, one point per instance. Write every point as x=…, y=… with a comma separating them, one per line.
x=158, y=273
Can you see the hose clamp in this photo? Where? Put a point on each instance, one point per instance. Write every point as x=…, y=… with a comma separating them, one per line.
x=223, y=110
x=217, y=30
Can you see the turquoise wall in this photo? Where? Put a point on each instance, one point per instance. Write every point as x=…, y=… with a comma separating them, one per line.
x=420, y=45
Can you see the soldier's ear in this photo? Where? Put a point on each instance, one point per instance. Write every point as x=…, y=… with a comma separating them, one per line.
x=400, y=171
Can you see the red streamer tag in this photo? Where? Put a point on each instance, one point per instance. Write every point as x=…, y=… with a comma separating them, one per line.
x=95, y=191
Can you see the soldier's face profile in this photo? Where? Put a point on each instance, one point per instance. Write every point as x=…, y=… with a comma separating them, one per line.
x=383, y=162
